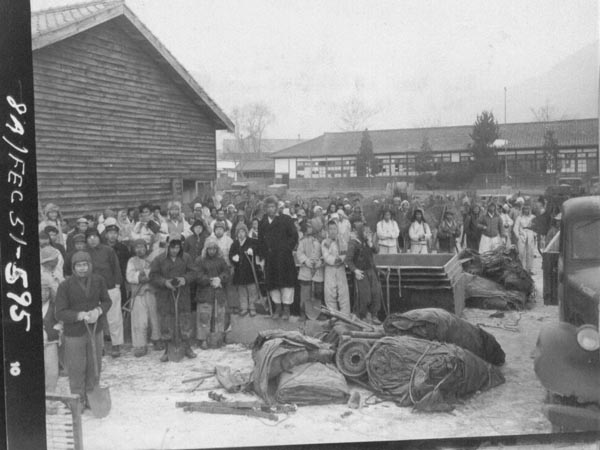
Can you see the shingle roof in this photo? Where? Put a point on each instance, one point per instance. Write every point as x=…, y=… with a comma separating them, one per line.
x=267, y=145
x=55, y=24
x=257, y=165
x=569, y=133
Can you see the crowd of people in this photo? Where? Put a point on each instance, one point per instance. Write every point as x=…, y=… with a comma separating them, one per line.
x=212, y=262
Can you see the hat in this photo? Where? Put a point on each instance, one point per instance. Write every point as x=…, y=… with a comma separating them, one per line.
x=175, y=240
x=280, y=204
x=506, y=207
x=51, y=229
x=110, y=221
x=219, y=224
x=198, y=223
x=82, y=220
x=241, y=226
x=48, y=254
x=211, y=241
x=111, y=228
x=270, y=200
x=404, y=202
x=334, y=216
x=138, y=242
x=79, y=237
x=81, y=256
x=91, y=232
x=520, y=200
x=317, y=208
x=198, y=206
x=316, y=225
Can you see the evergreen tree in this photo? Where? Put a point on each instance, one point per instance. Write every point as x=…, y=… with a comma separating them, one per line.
x=366, y=162
x=425, y=161
x=485, y=132
x=551, y=161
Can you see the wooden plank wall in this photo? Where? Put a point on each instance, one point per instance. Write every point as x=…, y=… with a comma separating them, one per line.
x=112, y=127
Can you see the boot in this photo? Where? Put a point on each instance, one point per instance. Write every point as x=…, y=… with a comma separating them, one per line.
x=158, y=345
x=277, y=312
x=188, y=352
x=141, y=351
x=115, y=352
x=286, y=312
x=165, y=355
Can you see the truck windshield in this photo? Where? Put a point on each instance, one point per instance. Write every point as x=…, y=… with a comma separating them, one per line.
x=586, y=239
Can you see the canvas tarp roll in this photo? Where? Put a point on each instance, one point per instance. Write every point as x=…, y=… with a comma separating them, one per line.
x=435, y=324
x=427, y=374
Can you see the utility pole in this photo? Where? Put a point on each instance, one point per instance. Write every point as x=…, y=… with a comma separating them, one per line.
x=505, y=142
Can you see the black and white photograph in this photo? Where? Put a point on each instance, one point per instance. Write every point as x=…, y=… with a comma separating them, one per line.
x=291, y=223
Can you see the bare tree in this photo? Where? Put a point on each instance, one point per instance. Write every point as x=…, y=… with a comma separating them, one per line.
x=257, y=116
x=355, y=114
x=547, y=113
x=250, y=122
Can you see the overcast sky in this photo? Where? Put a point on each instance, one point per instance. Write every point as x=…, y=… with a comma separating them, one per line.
x=407, y=59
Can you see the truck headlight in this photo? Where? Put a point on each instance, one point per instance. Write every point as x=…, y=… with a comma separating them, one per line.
x=588, y=338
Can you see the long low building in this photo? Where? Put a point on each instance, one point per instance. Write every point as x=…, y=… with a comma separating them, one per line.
x=333, y=155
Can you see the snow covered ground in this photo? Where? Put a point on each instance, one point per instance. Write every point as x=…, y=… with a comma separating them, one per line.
x=144, y=392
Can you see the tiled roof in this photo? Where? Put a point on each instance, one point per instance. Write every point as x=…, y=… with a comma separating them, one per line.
x=267, y=145
x=569, y=133
x=53, y=25
x=49, y=20
x=258, y=165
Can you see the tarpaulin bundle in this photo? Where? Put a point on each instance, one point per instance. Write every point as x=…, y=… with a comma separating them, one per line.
x=435, y=324
x=427, y=374
x=277, y=351
x=312, y=384
x=487, y=294
x=501, y=265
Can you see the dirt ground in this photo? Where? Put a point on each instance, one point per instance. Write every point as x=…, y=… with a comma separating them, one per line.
x=144, y=392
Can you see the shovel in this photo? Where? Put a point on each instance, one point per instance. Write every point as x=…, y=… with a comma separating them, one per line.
x=99, y=398
x=175, y=351
x=265, y=302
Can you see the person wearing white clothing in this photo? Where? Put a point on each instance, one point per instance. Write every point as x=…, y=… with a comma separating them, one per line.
x=419, y=233
x=525, y=237
x=387, y=234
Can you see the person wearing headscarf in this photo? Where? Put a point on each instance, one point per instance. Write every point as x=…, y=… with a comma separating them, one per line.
x=53, y=217
x=175, y=224
x=507, y=225
x=171, y=273
x=125, y=227
x=213, y=274
x=448, y=232
x=81, y=227
x=491, y=230
x=51, y=259
x=53, y=232
x=51, y=330
x=242, y=254
x=387, y=234
x=194, y=243
x=277, y=238
x=419, y=233
x=525, y=237
x=344, y=228
x=310, y=259
x=106, y=264
x=359, y=260
x=108, y=214
x=336, y=293
x=144, y=313
x=81, y=300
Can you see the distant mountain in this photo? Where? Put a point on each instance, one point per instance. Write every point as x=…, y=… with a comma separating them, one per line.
x=570, y=88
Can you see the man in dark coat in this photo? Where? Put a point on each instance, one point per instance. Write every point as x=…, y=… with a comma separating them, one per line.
x=106, y=264
x=171, y=274
x=277, y=238
x=359, y=260
x=82, y=299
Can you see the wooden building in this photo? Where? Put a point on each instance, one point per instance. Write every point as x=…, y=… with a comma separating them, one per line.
x=333, y=155
x=118, y=120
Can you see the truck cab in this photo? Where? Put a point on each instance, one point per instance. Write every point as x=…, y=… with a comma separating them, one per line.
x=567, y=356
